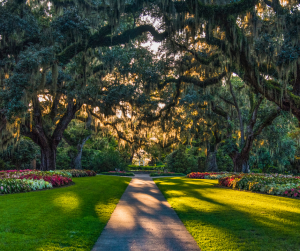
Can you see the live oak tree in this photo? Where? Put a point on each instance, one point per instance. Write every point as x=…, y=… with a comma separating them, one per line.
x=250, y=112
x=51, y=66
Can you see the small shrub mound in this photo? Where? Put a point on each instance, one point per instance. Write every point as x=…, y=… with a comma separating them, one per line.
x=275, y=184
x=119, y=173
x=181, y=162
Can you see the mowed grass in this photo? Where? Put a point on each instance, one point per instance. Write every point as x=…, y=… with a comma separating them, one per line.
x=67, y=218
x=224, y=219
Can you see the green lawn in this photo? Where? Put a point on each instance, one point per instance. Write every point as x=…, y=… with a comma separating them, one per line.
x=68, y=218
x=224, y=219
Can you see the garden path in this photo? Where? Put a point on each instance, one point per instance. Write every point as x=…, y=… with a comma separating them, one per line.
x=144, y=220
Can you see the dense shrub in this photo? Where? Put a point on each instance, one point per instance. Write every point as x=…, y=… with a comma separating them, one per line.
x=102, y=161
x=63, y=160
x=224, y=162
x=20, y=156
x=181, y=162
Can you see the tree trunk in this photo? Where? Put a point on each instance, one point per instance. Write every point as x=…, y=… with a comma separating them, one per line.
x=240, y=162
x=37, y=132
x=77, y=160
x=48, y=158
x=212, y=158
x=131, y=157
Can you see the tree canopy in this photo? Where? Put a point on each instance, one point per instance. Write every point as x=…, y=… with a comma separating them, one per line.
x=223, y=68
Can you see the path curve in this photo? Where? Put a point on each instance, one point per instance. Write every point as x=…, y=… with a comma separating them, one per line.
x=144, y=220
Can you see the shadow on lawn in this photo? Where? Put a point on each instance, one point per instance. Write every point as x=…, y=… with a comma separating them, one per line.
x=69, y=218
x=245, y=221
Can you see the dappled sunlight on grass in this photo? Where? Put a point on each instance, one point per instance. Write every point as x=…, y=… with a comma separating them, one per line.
x=224, y=219
x=67, y=201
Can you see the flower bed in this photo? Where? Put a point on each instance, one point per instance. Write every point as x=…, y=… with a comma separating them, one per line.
x=208, y=175
x=17, y=174
x=16, y=181
x=13, y=181
x=14, y=186
x=275, y=184
x=119, y=173
x=55, y=180
x=79, y=173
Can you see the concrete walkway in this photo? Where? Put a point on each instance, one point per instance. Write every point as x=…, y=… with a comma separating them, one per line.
x=143, y=220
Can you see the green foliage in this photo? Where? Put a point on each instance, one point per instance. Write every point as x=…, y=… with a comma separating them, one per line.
x=63, y=160
x=2, y=165
x=224, y=162
x=21, y=156
x=275, y=148
x=181, y=162
x=102, y=161
x=76, y=132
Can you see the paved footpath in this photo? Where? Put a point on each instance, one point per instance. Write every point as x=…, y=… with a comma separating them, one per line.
x=143, y=220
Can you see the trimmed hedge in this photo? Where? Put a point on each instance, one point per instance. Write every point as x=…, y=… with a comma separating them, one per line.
x=118, y=173
x=167, y=174
x=146, y=168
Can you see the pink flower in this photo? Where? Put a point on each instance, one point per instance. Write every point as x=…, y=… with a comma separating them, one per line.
x=292, y=189
x=286, y=192
x=295, y=194
x=1, y=187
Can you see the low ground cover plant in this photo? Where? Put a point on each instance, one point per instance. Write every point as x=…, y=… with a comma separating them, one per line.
x=275, y=184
